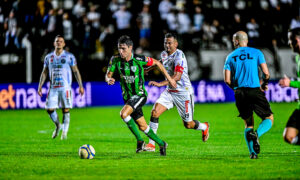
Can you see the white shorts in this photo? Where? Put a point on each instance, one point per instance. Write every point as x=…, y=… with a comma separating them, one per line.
x=183, y=102
x=58, y=97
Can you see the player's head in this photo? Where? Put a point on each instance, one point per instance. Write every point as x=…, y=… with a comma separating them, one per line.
x=294, y=39
x=240, y=39
x=170, y=43
x=125, y=45
x=59, y=42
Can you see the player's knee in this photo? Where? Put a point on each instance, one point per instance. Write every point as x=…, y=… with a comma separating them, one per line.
x=65, y=110
x=154, y=113
x=189, y=125
x=50, y=111
x=124, y=115
x=142, y=127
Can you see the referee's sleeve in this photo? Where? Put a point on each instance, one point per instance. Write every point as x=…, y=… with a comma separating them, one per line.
x=261, y=57
x=227, y=64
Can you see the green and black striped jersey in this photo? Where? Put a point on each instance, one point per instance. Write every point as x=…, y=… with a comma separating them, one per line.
x=131, y=74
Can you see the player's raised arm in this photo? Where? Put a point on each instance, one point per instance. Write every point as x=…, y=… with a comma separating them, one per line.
x=42, y=80
x=171, y=81
x=78, y=78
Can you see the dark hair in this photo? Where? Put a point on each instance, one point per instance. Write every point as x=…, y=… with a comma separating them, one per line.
x=171, y=35
x=125, y=40
x=59, y=36
x=295, y=31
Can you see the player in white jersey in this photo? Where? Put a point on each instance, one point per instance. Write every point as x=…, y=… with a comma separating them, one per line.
x=58, y=65
x=182, y=96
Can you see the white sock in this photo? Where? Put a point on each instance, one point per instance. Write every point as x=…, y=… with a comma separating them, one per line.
x=154, y=127
x=54, y=117
x=147, y=130
x=295, y=140
x=66, y=121
x=202, y=126
x=128, y=118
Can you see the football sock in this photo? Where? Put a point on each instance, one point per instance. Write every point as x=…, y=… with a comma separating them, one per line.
x=264, y=127
x=66, y=121
x=249, y=143
x=131, y=125
x=154, y=126
x=199, y=125
x=53, y=116
x=149, y=132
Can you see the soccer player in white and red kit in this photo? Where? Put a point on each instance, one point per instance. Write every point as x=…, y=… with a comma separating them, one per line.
x=182, y=96
x=59, y=65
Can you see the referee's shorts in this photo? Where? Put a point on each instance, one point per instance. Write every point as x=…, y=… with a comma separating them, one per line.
x=252, y=99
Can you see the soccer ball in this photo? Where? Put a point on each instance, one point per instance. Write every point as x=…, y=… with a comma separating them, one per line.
x=86, y=151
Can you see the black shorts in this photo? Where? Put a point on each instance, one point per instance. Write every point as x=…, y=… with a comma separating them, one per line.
x=294, y=120
x=136, y=102
x=252, y=99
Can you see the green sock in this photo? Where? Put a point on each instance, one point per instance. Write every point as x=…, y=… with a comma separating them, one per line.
x=154, y=137
x=131, y=125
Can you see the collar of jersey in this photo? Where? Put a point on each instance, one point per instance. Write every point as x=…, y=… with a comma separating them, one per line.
x=59, y=55
x=172, y=53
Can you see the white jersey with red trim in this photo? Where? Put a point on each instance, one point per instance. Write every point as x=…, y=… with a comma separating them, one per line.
x=59, y=67
x=176, y=62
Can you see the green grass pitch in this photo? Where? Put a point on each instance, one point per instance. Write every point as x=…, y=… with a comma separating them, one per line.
x=27, y=150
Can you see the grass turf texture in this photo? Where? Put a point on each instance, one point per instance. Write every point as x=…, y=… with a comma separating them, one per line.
x=27, y=150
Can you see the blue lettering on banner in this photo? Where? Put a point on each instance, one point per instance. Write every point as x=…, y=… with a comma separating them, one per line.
x=25, y=96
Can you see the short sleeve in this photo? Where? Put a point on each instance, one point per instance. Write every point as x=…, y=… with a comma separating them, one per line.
x=46, y=61
x=112, y=64
x=73, y=61
x=261, y=58
x=149, y=61
x=179, y=63
x=227, y=64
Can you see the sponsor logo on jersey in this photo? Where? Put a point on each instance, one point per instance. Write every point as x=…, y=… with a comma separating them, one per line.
x=63, y=61
x=138, y=58
x=133, y=68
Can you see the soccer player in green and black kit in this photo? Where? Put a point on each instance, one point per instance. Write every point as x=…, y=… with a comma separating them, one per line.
x=131, y=71
x=291, y=131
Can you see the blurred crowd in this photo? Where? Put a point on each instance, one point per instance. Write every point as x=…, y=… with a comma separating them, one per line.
x=91, y=27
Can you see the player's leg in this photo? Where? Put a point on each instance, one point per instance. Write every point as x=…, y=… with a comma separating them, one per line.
x=248, y=132
x=163, y=103
x=245, y=108
x=263, y=110
x=125, y=115
x=65, y=97
x=66, y=123
x=291, y=132
x=51, y=106
x=149, y=132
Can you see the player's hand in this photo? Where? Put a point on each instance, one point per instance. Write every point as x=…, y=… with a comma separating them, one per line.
x=40, y=92
x=153, y=83
x=264, y=87
x=81, y=91
x=111, y=81
x=284, y=82
x=173, y=83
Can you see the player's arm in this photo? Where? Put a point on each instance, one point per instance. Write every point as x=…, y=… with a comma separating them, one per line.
x=265, y=76
x=42, y=80
x=148, y=69
x=109, y=78
x=78, y=78
x=287, y=82
x=227, y=78
x=161, y=68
